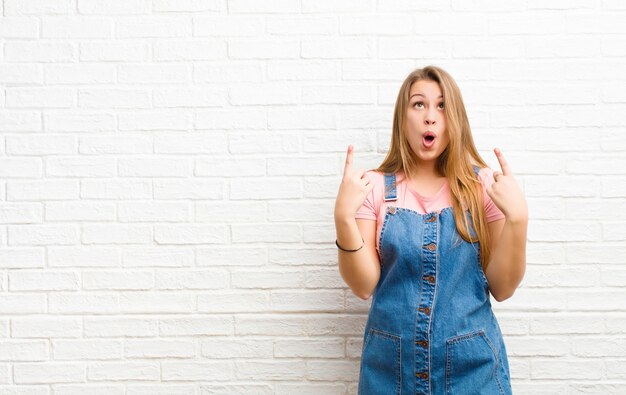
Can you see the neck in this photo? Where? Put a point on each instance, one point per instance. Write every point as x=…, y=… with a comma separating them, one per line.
x=426, y=171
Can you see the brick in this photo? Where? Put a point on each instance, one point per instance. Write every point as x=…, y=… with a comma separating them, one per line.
x=75, y=166
x=127, y=189
x=242, y=48
x=228, y=25
x=113, y=144
x=142, y=211
x=153, y=26
x=42, y=235
x=20, y=167
x=76, y=27
x=42, y=190
x=158, y=256
x=20, y=121
x=86, y=349
x=153, y=73
x=344, y=47
x=187, y=5
x=231, y=71
x=307, y=70
x=190, y=234
x=192, y=97
x=114, y=7
x=83, y=256
x=114, y=233
x=79, y=211
x=114, y=98
x=270, y=6
x=21, y=258
x=190, y=143
x=111, y=51
x=150, y=120
x=24, y=281
x=39, y=144
x=40, y=98
x=19, y=27
x=76, y=121
x=21, y=213
x=118, y=280
x=21, y=73
x=166, y=50
x=265, y=188
x=38, y=7
x=154, y=167
x=226, y=167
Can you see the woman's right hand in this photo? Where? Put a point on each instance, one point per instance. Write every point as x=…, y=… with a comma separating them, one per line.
x=354, y=188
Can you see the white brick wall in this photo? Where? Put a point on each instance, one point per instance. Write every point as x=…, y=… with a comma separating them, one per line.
x=168, y=172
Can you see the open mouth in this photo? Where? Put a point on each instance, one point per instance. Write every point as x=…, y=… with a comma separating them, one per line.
x=428, y=140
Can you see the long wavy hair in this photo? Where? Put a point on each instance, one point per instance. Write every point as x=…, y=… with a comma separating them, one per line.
x=455, y=162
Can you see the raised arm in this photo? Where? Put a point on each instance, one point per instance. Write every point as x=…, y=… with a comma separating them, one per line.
x=508, y=236
x=359, y=264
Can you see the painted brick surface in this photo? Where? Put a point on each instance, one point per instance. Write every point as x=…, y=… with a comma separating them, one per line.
x=168, y=171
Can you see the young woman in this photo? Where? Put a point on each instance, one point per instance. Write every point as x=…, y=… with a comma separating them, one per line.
x=430, y=234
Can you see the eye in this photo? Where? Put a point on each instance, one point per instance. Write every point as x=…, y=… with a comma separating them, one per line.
x=416, y=103
x=441, y=104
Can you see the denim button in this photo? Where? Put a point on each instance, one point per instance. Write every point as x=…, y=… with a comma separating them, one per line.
x=431, y=219
x=423, y=343
x=432, y=246
x=423, y=375
x=430, y=279
x=391, y=210
x=425, y=310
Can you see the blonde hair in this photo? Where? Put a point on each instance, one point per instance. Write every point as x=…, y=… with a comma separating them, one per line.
x=455, y=162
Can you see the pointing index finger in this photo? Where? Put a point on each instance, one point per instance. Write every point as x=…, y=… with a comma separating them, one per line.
x=503, y=163
x=348, y=158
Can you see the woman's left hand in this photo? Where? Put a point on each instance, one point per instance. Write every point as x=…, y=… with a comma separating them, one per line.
x=506, y=193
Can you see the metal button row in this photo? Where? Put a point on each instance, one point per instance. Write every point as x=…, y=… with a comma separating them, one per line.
x=430, y=279
x=431, y=219
x=431, y=246
x=425, y=310
x=423, y=375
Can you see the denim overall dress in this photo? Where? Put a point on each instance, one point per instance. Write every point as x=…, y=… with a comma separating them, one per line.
x=430, y=327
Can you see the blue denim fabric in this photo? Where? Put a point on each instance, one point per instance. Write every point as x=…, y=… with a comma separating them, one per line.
x=430, y=328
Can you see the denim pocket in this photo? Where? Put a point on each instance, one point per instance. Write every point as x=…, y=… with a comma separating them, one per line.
x=380, y=364
x=472, y=365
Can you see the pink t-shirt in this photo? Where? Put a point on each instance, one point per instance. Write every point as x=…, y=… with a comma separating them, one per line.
x=375, y=207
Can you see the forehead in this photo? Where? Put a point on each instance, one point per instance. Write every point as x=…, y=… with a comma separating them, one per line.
x=428, y=88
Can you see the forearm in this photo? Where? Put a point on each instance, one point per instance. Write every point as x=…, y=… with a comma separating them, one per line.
x=359, y=269
x=508, y=262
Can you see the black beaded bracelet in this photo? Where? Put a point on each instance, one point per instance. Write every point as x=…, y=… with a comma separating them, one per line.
x=343, y=249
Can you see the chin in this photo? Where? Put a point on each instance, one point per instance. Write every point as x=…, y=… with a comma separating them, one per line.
x=429, y=158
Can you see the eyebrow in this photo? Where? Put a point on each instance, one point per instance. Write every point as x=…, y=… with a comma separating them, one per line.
x=419, y=94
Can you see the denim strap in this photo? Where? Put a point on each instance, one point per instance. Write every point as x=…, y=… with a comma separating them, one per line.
x=390, y=187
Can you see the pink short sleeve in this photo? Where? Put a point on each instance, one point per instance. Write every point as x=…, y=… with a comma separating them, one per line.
x=371, y=205
x=492, y=211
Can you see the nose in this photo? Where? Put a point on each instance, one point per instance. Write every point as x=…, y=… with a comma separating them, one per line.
x=430, y=119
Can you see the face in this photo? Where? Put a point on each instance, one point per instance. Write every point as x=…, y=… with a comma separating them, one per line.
x=426, y=121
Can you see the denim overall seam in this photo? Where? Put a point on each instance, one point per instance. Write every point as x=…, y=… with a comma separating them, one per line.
x=497, y=358
x=397, y=340
x=380, y=238
x=424, y=215
x=483, y=277
x=479, y=332
x=430, y=322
